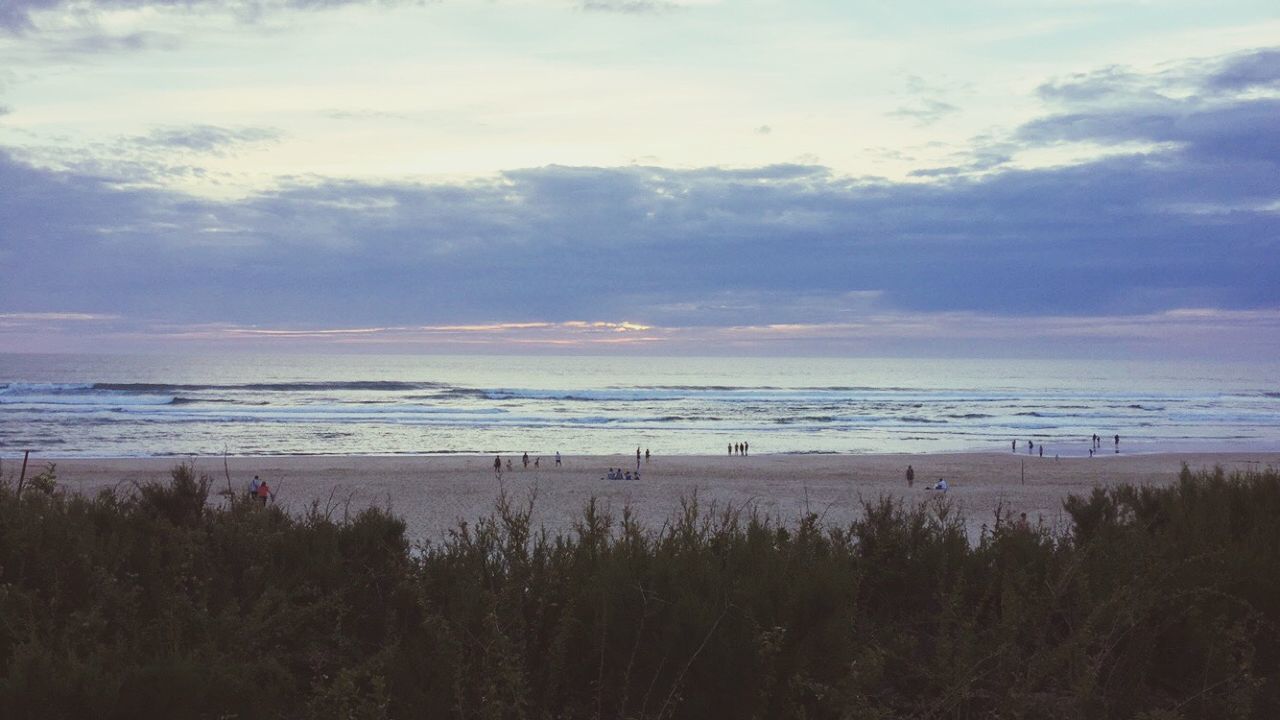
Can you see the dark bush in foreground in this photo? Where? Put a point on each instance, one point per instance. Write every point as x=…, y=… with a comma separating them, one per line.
x=1161, y=603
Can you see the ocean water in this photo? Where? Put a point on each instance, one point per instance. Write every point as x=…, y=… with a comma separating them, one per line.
x=113, y=405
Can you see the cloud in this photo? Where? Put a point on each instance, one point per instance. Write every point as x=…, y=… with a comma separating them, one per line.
x=630, y=7
x=206, y=138
x=5, y=110
x=1247, y=71
x=925, y=111
x=16, y=15
x=1192, y=222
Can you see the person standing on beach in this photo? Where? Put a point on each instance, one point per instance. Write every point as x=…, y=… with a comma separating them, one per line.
x=497, y=466
x=1117, y=443
x=637, y=459
x=646, y=456
x=557, y=458
x=1013, y=445
x=731, y=449
x=525, y=460
x=253, y=487
x=911, y=476
x=264, y=493
x=746, y=448
x=1041, y=449
x=1031, y=447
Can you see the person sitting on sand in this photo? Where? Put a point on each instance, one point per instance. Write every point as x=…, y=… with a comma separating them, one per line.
x=940, y=485
x=627, y=477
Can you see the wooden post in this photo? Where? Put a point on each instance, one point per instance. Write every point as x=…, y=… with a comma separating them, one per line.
x=23, y=475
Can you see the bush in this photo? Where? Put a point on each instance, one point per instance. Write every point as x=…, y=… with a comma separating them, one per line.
x=1158, y=603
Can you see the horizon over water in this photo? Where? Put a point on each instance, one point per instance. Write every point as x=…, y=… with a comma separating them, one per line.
x=78, y=405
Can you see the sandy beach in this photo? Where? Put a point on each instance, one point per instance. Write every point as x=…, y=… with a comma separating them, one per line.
x=433, y=493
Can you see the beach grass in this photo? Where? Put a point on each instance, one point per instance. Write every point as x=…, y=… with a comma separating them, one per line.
x=151, y=600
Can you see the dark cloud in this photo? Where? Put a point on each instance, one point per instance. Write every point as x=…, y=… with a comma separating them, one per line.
x=1193, y=224
x=15, y=15
x=1259, y=69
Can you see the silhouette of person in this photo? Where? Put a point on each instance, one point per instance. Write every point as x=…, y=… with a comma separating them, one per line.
x=911, y=476
x=497, y=466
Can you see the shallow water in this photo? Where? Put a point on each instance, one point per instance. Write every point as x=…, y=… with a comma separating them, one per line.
x=113, y=405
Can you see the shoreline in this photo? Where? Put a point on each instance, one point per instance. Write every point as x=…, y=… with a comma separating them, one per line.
x=434, y=493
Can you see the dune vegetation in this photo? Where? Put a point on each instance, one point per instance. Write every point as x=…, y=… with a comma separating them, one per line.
x=162, y=601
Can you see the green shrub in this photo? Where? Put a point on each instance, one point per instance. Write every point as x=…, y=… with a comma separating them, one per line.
x=1158, y=603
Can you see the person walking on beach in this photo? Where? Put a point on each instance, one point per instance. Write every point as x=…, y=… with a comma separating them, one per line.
x=1030, y=447
x=646, y=456
x=637, y=459
x=264, y=492
x=1117, y=443
x=1041, y=449
x=253, y=487
x=911, y=476
x=557, y=458
x=497, y=466
x=1013, y=445
x=746, y=448
x=731, y=449
x=525, y=460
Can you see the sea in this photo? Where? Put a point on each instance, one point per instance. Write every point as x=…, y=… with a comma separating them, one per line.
x=70, y=405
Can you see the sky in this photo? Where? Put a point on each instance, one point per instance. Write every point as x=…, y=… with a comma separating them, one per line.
x=994, y=178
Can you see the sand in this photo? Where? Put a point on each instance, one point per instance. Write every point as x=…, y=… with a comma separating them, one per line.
x=433, y=493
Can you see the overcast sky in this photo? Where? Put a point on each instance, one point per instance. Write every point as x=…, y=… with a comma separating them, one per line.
x=983, y=178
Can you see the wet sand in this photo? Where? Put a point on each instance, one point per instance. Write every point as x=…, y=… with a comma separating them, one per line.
x=433, y=493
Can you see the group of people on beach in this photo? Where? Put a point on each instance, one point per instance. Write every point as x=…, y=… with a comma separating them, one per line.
x=1095, y=445
x=1031, y=447
x=911, y=481
x=620, y=474
x=524, y=460
x=260, y=491
x=741, y=448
